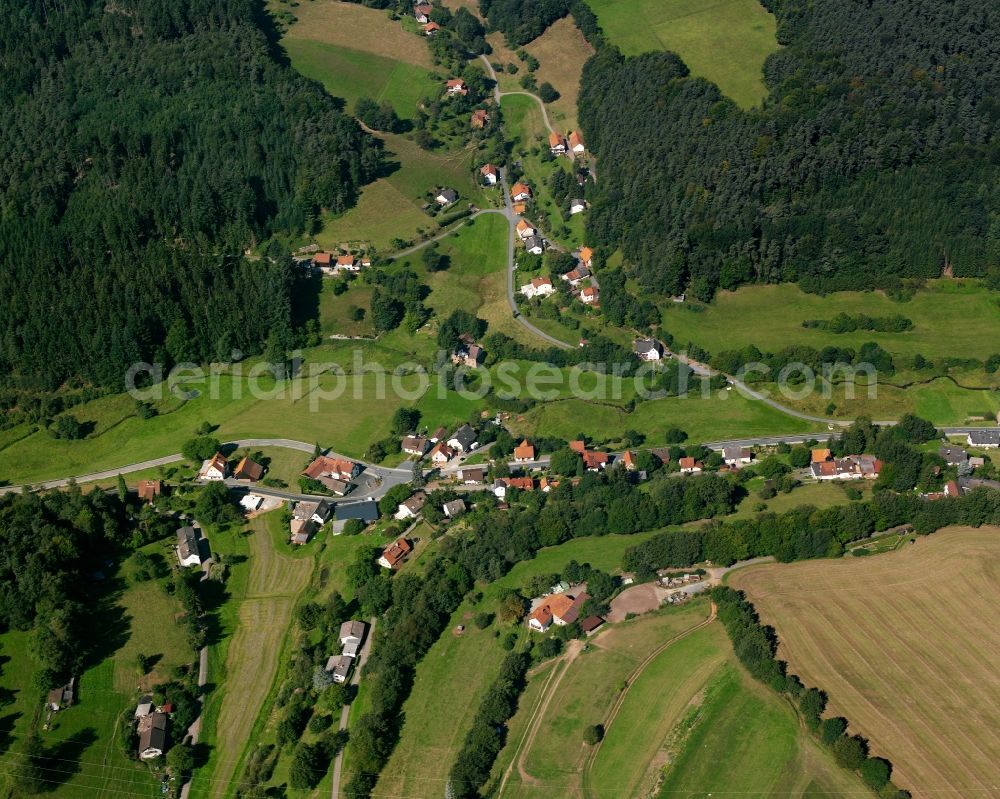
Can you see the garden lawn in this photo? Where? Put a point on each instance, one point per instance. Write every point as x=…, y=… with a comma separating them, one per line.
x=725, y=42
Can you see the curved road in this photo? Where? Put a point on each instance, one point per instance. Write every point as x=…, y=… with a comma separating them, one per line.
x=389, y=476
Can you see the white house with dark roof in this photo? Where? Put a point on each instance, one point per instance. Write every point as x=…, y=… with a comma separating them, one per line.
x=647, y=349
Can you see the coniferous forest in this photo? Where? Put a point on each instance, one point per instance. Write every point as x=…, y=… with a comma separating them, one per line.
x=875, y=158
x=144, y=145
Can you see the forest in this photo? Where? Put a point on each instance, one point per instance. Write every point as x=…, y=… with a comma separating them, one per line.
x=145, y=146
x=875, y=159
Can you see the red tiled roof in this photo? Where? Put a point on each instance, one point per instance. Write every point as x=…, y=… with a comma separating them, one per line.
x=524, y=451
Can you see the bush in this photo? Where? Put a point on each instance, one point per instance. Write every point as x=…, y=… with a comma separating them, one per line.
x=319, y=723
x=547, y=93
x=483, y=620
x=200, y=448
x=593, y=734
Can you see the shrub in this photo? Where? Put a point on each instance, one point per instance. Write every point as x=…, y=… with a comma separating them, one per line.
x=593, y=734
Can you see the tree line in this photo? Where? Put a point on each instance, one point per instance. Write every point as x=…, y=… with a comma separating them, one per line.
x=756, y=646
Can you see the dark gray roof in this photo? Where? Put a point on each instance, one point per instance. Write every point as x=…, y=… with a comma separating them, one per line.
x=448, y=194
x=367, y=511
x=986, y=437
x=534, y=241
x=643, y=345
x=953, y=455
x=465, y=436
x=187, y=542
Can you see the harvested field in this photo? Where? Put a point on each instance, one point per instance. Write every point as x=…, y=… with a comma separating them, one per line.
x=561, y=52
x=906, y=646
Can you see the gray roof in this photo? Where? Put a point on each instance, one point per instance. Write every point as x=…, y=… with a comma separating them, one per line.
x=735, y=453
x=187, y=542
x=953, y=455
x=352, y=629
x=153, y=732
x=644, y=345
x=473, y=474
x=454, y=508
x=448, y=194
x=534, y=241
x=465, y=436
x=367, y=511
x=985, y=437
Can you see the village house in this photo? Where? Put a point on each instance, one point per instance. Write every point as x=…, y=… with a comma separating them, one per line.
x=490, y=174
x=524, y=452
x=547, y=484
x=521, y=483
x=422, y=12
x=439, y=435
x=468, y=353
x=575, y=276
x=441, y=454
x=411, y=508
x=251, y=502
x=152, y=731
x=431, y=28
x=559, y=609
x=325, y=469
x=446, y=197
x=576, y=145
x=851, y=467
x=988, y=438
x=61, y=697
x=347, y=263
x=735, y=457
x=456, y=86
x=520, y=192
x=415, y=445
x=690, y=466
x=557, y=143
x=628, y=460
x=454, y=508
x=647, y=349
x=465, y=439
x=595, y=461
x=149, y=490
x=393, y=555
x=352, y=633
x=589, y=295
x=953, y=456
x=302, y=530
x=249, y=470
x=317, y=512
x=820, y=456
x=471, y=476
x=538, y=287
x=480, y=119
x=322, y=261
x=188, y=550
x=339, y=667
x=144, y=707
x=365, y=511
x=525, y=229
x=215, y=468
x=535, y=245
x=577, y=206
x=586, y=256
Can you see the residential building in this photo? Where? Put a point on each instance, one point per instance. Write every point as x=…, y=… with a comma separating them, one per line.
x=366, y=511
x=586, y=256
x=851, y=467
x=595, y=461
x=535, y=245
x=441, y=454
x=525, y=229
x=336, y=468
x=589, y=295
x=647, y=349
x=188, y=549
x=454, y=508
x=538, y=287
x=987, y=438
x=422, y=12
x=251, y=502
x=248, y=469
x=521, y=483
x=446, y=197
x=144, y=707
x=352, y=633
x=557, y=143
x=339, y=666
x=472, y=476
x=576, y=145
x=577, y=206
x=490, y=174
x=149, y=490
x=480, y=119
x=301, y=530
x=690, y=466
x=579, y=445
x=628, y=460
x=393, y=555
x=500, y=488
x=439, y=435
x=411, y=508
x=820, y=455
x=558, y=609
x=524, y=452
x=465, y=439
x=215, y=468
x=547, y=484
x=520, y=192
x=322, y=260
x=431, y=28
x=316, y=512
x=415, y=445
x=951, y=489
x=736, y=457
x=347, y=263
x=456, y=86
x=575, y=276
x=152, y=731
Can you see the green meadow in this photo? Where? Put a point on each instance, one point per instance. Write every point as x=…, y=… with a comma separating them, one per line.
x=725, y=42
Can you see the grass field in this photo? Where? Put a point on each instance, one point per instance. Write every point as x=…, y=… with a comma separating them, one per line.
x=561, y=52
x=702, y=419
x=352, y=74
x=821, y=495
x=905, y=645
x=265, y=612
x=83, y=758
x=725, y=42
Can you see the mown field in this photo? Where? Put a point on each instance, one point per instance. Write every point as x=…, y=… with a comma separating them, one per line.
x=724, y=42
x=905, y=645
x=82, y=756
x=275, y=581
